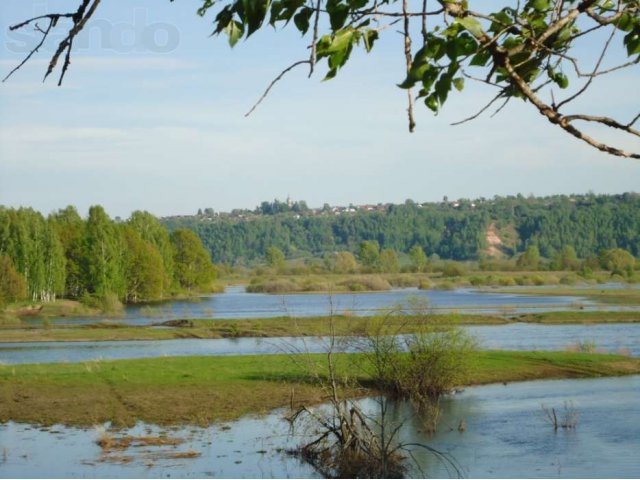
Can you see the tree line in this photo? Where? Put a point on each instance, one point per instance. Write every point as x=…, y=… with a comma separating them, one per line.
x=63, y=255
x=449, y=230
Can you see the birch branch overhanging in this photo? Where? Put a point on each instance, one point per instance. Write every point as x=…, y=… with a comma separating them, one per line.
x=523, y=50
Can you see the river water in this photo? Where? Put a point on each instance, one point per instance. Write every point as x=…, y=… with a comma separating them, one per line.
x=236, y=303
x=507, y=435
x=611, y=338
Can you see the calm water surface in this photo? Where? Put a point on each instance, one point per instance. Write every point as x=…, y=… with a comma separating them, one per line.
x=506, y=435
x=236, y=303
x=612, y=338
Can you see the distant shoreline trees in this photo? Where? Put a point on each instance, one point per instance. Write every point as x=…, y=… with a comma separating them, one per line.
x=450, y=230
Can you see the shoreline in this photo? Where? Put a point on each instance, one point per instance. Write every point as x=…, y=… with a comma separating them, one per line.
x=290, y=326
x=203, y=390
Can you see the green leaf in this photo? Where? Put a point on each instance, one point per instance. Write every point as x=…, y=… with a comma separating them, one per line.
x=458, y=83
x=539, y=5
x=466, y=45
x=481, y=58
x=511, y=42
x=234, y=30
x=224, y=17
x=625, y=23
x=338, y=13
x=451, y=48
x=632, y=42
x=559, y=78
x=337, y=48
x=408, y=82
x=205, y=6
x=302, y=19
x=435, y=48
x=429, y=77
x=472, y=26
x=330, y=74
x=432, y=103
x=369, y=37
x=283, y=10
x=254, y=12
x=276, y=8
x=442, y=88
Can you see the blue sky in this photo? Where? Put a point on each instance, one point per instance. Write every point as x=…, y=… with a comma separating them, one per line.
x=159, y=125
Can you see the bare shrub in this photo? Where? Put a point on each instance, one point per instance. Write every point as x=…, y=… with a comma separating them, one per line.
x=583, y=346
x=566, y=419
x=346, y=442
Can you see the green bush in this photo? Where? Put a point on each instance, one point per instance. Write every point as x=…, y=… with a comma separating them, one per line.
x=569, y=280
x=524, y=280
x=403, y=281
x=452, y=269
x=444, y=286
x=421, y=366
x=274, y=286
x=108, y=303
x=506, y=282
x=366, y=283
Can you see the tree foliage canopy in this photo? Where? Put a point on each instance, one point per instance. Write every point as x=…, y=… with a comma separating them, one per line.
x=588, y=223
x=531, y=50
x=64, y=255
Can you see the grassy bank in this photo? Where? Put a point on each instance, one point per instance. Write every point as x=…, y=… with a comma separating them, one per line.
x=620, y=296
x=205, y=389
x=282, y=283
x=259, y=327
x=288, y=327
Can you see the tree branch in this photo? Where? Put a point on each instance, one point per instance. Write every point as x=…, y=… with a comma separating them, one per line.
x=85, y=11
x=408, y=60
x=274, y=81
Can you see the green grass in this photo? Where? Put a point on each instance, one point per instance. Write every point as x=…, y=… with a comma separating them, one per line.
x=200, y=390
x=287, y=326
x=58, y=308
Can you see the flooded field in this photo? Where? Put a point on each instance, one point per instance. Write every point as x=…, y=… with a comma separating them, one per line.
x=506, y=435
x=236, y=303
x=612, y=338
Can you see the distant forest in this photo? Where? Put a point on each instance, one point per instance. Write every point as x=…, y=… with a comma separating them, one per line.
x=457, y=230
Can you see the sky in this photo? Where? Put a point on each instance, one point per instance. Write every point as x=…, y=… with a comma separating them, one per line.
x=151, y=117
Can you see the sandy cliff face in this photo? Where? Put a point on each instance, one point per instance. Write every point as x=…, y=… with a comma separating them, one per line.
x=495, y=245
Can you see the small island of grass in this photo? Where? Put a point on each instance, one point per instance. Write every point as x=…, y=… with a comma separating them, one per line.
x=200, y=390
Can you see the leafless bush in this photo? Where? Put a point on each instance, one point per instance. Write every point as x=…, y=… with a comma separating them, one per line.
x=566, y=419
x=345, y=441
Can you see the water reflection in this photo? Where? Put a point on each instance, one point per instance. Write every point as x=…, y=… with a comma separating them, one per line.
x=506, y=435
